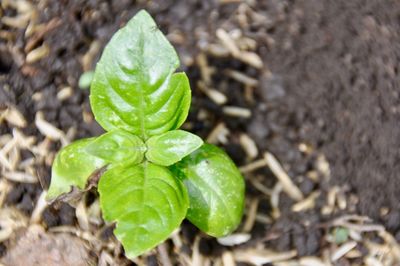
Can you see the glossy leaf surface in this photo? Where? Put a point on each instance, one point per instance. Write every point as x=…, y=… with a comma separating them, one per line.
x=134, y=87
x=72, y=167
x=216, y=190
x=147, y=203
x=171, y=147
x=118, y=147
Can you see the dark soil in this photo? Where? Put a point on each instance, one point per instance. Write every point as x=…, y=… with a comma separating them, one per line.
x=340, y=75
x=335, y=85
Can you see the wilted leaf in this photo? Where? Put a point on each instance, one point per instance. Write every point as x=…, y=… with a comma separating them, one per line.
x=72, y=167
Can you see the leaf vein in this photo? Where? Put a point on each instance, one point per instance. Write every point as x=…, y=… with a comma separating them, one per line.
x=220, y=197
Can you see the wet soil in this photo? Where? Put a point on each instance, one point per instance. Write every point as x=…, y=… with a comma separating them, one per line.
x=334, y=85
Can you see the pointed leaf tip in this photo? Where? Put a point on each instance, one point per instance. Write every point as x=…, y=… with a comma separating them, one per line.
x=134, y=87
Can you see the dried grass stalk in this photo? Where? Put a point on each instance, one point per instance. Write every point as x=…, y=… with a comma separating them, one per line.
x=342, y=250
x=261, y=257
x=236, y=111
x=248, y=145
x=41, y=205
x=48, y=129
x=13, y=116
x=20, y=177
x=288, y=186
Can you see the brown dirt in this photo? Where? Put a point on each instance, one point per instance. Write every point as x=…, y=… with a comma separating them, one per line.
x=340, y=74
x=37, y=248
x=330, y=80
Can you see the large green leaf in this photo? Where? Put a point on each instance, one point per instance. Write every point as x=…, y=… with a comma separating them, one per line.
x=216, y=190
x=134, y=87
x=147, y=203
x=171, y=147
x=118, y=147
x=72, y=167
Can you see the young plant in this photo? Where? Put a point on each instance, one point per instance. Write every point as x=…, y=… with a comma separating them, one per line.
x=152, y=175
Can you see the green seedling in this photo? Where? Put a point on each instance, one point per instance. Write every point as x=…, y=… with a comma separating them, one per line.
x=341, y=235
x=152, y=175
x=85, y=80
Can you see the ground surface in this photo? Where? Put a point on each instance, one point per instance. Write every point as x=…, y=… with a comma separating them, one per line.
x=321, y=82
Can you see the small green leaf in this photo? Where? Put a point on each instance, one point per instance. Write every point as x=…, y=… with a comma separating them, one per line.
x=134, y=87
x=85, y=80
x=341, y=235
x=216, y=190
x=118, y=147
x=171, y=147
x=147, y=203
x=72, y=167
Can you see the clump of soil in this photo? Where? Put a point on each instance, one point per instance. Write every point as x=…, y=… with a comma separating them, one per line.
x=36, y=247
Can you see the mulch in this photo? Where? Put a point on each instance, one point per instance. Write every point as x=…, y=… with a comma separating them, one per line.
x=303, y=95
